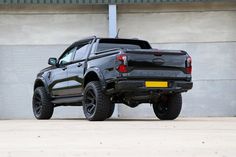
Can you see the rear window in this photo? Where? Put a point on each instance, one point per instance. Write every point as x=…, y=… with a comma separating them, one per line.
x=105, y=44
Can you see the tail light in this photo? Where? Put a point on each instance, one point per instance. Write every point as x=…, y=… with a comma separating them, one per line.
x=189, y=65
x=122, y=58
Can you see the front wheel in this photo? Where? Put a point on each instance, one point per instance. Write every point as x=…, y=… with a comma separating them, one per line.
x=42, y=107
x=168, y=107
x=96, y=105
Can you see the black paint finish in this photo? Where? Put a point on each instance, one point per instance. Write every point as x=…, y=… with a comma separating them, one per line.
x=65, y=81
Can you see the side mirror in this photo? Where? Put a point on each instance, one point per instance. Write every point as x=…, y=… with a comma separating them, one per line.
x=52, y=61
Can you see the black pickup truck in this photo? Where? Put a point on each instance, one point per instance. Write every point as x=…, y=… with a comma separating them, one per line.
x=97, y=72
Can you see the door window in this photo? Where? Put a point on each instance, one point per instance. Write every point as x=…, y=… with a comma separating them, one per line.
x=81, y=52
x=67, y=57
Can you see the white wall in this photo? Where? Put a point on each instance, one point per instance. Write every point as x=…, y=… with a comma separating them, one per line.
x=29, y=35
x=214, y=81
x=35, y=27
x=207, y=31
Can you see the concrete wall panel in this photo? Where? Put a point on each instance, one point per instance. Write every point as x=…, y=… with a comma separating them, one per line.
x=214, y=79
x=30, y=35
x=213, y=93
x=211, y=61
x=166, y=27
x=44, y=29
x=20, y=64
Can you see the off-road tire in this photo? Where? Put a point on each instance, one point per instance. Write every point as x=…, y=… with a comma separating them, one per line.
x=170, y=108
x=96, y=105
x=42, y=107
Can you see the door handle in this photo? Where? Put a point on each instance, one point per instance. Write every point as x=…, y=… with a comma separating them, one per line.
x=79, y=64
x=64, y=68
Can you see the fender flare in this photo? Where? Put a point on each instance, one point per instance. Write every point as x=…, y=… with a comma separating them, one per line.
x=42, y=81
x=99, y=74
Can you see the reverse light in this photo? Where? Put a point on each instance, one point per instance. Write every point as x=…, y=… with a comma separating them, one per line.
x=189, y=65
x=121, y=57
x=122, y=68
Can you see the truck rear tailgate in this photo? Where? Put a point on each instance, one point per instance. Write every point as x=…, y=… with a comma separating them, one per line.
x=156, y=64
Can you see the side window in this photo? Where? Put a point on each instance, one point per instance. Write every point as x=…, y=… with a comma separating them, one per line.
x=81, y=52
x=67, y=57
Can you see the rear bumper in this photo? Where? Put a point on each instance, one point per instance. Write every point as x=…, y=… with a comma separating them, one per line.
x=139, y=86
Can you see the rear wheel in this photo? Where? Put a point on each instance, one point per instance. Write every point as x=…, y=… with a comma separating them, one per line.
x=169, y=107
x=42, y=107
x=96, y=105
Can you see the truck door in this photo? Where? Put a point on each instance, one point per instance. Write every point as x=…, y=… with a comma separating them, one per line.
x=77, y=69
x=59, y=76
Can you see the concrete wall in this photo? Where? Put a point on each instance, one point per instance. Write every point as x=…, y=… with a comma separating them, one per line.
x=33, y=27
x=19, y=66
x=214, y=79
x=160, y=24
x=207, y=32
x=29, y=35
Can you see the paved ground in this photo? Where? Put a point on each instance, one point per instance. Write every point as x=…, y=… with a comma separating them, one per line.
x=185, y=137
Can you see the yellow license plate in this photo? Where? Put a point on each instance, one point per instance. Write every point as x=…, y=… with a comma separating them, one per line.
x=162, y=84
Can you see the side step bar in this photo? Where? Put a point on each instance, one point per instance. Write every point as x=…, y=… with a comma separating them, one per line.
x=65, y=100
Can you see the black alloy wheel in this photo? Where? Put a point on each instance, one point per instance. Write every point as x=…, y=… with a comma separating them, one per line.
x=90, y=101
x=42, y=107
x=96, y=105
x=168, y=108
x=37, y=104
